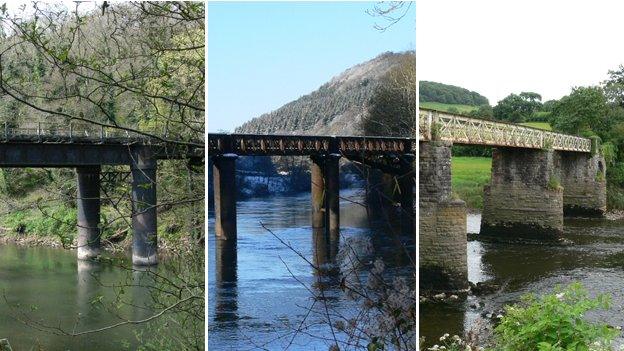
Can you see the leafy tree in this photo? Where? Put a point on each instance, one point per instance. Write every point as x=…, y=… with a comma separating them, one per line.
x=517, y=107
x=484, y=111
x=583, y=110
x=392, y=108
x=614, y=86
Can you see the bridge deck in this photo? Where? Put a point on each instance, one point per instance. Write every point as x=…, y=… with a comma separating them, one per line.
x=436, y=125
x=306, y=145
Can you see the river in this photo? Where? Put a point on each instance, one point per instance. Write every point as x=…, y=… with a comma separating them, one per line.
x=595, y=259
x=53, y=289
x=258, y=291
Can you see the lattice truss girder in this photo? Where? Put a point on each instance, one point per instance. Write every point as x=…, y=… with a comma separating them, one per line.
x=473, y=131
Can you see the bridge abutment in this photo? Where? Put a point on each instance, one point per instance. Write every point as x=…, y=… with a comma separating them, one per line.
x=524, y=199
x=584, y=184
x=88, y=212
x=442, y=223
x=325, y=190
x=224, y=181
x=144, y=223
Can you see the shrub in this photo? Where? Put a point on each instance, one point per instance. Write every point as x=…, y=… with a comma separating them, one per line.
x=554, y=322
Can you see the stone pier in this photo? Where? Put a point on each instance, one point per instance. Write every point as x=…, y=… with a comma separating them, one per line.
x=442, y=223
x=584, y=184
x=88, y=212
x=524, y=199
x=144, y=225
x=224, y=179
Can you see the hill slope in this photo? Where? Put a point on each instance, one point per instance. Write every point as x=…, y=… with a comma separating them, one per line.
x=336, y=107
x=449, y=94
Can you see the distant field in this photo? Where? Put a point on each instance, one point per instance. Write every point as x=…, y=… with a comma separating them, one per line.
x=540, y=125
x=469, y=175
x=445, y=107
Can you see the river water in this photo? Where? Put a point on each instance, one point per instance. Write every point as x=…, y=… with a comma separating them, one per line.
x=595, y=258
x=260, y=292
x=44, y=286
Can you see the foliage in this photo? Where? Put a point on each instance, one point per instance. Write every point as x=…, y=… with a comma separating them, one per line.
x=517, y=107
x=392, y=107
x=554, y=322
x=614, y=86
x=449, y=94
x=583, y=110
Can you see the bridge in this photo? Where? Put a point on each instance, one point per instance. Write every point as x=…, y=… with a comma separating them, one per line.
x=392, y=155
x=87, y=147
x=537, y=177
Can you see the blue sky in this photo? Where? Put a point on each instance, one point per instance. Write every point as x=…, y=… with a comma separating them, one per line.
x=262, y=55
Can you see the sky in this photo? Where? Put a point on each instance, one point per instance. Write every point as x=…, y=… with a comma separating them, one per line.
x=502, y=47
x=262, y=55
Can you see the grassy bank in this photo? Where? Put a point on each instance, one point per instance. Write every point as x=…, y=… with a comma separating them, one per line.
x=448, y=107
x=469, y=175
x=540, y=125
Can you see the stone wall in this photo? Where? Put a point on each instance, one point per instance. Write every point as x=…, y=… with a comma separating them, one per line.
x=584, y=184
x=442, y=223
x=524, y=199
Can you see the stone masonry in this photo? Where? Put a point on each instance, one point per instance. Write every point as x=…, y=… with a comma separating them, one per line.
x=524, y=199
x=584, y=184
x=442, y=223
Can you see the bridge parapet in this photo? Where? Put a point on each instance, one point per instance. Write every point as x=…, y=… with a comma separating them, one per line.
x=436, y=125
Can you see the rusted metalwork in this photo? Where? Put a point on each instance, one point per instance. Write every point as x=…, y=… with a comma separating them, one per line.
x=306, y=145
x=436, y=125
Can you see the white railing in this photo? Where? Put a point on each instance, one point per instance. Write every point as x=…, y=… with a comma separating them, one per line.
x=436, y=125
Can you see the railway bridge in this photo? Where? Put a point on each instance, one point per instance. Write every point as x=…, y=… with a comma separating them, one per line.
x=537, y=177
x=86, y=148
x=393, y=156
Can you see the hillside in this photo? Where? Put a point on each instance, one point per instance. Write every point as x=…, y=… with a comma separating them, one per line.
x=449, y=94
x=337, y=107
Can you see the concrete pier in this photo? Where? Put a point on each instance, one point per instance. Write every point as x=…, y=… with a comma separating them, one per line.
x=325, y=190
x=88, y=212
x=144, y=223
x=224, y=181
x=443, y=259
x=524, y=199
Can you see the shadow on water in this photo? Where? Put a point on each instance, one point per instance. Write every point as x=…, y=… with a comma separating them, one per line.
x=595, y=258
x=260, y=291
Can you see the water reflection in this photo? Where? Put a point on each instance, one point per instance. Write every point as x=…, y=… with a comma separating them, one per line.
x=88, y=289
x=595, y=258
x=226, y=261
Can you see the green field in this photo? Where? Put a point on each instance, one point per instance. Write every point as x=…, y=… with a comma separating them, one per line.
x=446, y=107
x=469, y=175
x=540, y=125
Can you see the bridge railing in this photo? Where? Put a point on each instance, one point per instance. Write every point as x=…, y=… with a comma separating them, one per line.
x=255, y=144
x=436, y=125
x=43, y=131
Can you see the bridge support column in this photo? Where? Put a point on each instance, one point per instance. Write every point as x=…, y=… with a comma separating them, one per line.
x=407, y=185
x=524, y=199
x=144, y=223
x=88, y=208
x=443, y=264
x=326, y=192
x=224, y=181
x=584, y=184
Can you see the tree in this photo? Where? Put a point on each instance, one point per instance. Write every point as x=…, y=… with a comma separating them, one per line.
x=614, y=86
x=583, y=111
x=517, y=107
x=392, y=108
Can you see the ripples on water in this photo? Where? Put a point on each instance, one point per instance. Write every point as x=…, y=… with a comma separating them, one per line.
x=596, y=259
x=256, y=297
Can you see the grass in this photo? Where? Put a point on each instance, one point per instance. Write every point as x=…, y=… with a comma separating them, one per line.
x=469, y=175
x=446, y=107
x=540, y=125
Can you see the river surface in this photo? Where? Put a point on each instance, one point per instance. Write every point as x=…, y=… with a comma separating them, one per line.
x=595, y=259
x=48, y=287
x=261, y=291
